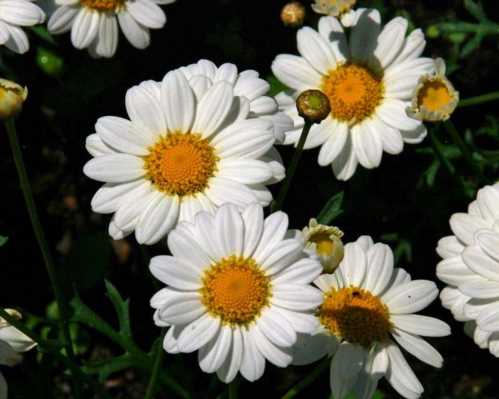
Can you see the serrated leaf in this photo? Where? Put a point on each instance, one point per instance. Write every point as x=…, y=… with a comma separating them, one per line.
x=122, y=308
x=332, y=209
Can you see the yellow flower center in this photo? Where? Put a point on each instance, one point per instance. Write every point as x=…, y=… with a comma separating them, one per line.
x=323, y=243
x=236, y=290
x=181, y=164
x=354, y=92
x=434, y=96
x=355, y=315
x=103, y=5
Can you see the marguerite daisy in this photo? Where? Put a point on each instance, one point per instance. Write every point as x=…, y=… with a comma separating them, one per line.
x=188, y=146
x=13, y=15
x=470, y=268
x=369, y=82
x=94, y=23
x=238, y=290
x=12, y=343
x=368, y=307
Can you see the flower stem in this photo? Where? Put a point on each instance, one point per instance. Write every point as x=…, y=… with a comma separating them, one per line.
x=309, y=379
x=292, y=168
x=233, y=389
x=456, y=137
x=42, y=243
x=479, y=99
x=151, y=388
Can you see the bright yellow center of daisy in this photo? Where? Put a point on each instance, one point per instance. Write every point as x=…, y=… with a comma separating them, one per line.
x=434, y=96
x=103, y=5
x=355, y=315
x=181, y=164
x=323, y=243
x=354, y=92
x=236, y=290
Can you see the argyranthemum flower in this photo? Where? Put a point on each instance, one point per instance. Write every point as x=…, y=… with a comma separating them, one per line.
x=188, y=146
x=325, y=243
x=369, y=82
x=12, y=343
x=238, y=290
x=15, y=14
x=368, y=308
x=94, y=23
x=341, y=9
x=470, y=268
x=435, y=98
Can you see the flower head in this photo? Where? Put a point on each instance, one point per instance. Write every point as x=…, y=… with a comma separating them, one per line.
x=470, y=268
x=238, y=290
x=192, y=143
x=435, y=98
x=293, y=14
x=94, y=23
x=12, y=97
x=15, y=14
x=367, y=309
x=369, y=82
x=341, y=9
x=325, y=243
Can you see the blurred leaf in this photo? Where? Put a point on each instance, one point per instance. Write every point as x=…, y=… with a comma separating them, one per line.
x=3, y=240
x=471, y=45
x=109, y=366
x=332, y=209
x=475, y=9
x=49, y=62
x=275, y=85
x=43, y=33
x=121, y=307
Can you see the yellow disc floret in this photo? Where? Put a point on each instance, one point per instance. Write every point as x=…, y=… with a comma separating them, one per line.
x=355, y=315
x=235, y=290
x=434, y=95
x=103, y=5
x=181, y=164
x=354, y=92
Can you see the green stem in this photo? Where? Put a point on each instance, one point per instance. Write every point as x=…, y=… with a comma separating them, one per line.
x=479, y=99
x=309, y=379
x=292, y=168
x=456, y=137
x=233, y=389
x=42, y=243
x=151, y=388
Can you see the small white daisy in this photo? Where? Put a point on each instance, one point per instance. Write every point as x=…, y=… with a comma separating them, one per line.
x=94, y=23
x=188, y=146
x=369, y=83
x=15, y=14
x=341, y=9
x=238, y=290
x=470, y=268
x=12, y=343
x=368, y=308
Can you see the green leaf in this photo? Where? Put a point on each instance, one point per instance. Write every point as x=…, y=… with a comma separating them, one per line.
x=49, y=62
x=121, y=307
x=332, y=209
x=275, y=85
x=104, y=368
x=475, y=9
x=471, y=45
x=3, y=240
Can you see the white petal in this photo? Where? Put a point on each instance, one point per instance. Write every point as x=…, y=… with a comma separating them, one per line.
x=310, y=348
x=253, y=362
x=315, y=49
x=114, y=168
x=147, y=13
x=198, y=333
x=449, y=247
x=281, y=357
x=345, y=367
x=421, y=325
x=400, y=375
x=354, y=265
x=333, y=146
x=410, y=297
x=345, y=164
x=379, y=268
x=85, y=28
x=301, y=272
x=390, y=41
x=61, y=20
x=478, y=261
x=274, y=229
x=364, y=35
x=185, y=247
x=136, y=34
x=245, y=171
x=464, y=226
x=367, y=145
x=223, y=190
x=158, y=219
x=295, y=72
x=331, y=29
x=227, y=72
x=109, y=197
x=108, y=36
x=276, y=328
x=229, y=230
x=392, y=112
x=119, y=134
x=177, y=99
x=284, y=253
x=212, y=355
x=296, y=297
x=418, y=347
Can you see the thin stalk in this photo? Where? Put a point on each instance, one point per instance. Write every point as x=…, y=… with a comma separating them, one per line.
x=158, y=358
x=309, y=379
x=233, y=389
x=479, y=99
x=292, y=168
x=42, y=243
x=456, y=138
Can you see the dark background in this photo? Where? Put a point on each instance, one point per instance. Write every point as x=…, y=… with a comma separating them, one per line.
x=404, y=202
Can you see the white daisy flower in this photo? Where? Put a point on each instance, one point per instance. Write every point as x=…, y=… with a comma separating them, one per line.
x=94, y=23
x=12, y=343
x=188, y=146
x=342, y=9
x=470, y=268
x=369, y=82
x=368, y=308
x=238, y=290
x=15, y=14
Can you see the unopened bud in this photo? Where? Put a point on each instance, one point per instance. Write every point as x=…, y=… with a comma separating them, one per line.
x=12, y=97
x=324, y=242
x=313, y=105
x=293, y=14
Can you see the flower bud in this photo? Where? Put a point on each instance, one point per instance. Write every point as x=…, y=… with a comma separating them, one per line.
x=313, y=105
x=335, y=8
x=324, y=242
x=293, y=14
x=12, y=97
x=16, y=341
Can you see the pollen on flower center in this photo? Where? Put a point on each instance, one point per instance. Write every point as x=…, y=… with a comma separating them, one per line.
x=355, y=315
x=324, y=243
x=434, y=96
x=354, y=92
x=181, y=164
x=103, y=5
x=236, y=290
